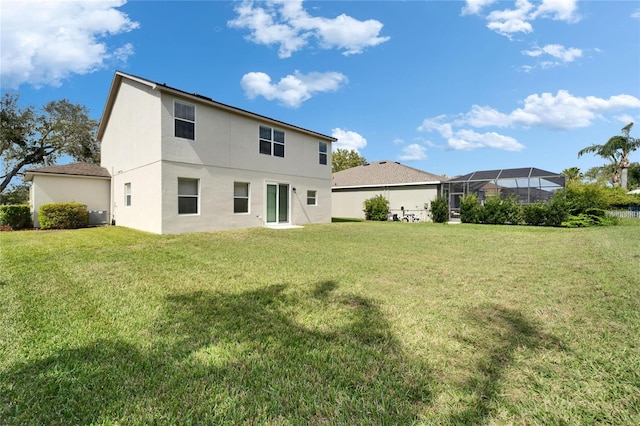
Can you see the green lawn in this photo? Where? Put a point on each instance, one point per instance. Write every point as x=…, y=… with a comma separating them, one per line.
x=344, y=323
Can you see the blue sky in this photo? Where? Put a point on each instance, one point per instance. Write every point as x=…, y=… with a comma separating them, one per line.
x=447, y=87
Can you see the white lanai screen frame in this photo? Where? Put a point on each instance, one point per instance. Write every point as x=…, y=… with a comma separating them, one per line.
x=527, y=185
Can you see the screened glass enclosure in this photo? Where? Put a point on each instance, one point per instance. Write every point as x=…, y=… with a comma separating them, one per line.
x=526, y=185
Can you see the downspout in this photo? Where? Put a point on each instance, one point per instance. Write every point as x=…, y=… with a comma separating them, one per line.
x=113, y=219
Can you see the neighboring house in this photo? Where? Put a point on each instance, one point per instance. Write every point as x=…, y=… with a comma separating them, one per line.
x=181, y=162
x=408, y=190
x=81, y=183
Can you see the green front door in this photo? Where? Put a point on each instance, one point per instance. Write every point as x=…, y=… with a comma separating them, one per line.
x=277, y=203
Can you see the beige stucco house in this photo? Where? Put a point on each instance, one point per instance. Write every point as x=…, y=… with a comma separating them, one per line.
x=87, y=184
x=181, y=162
x=409, y=190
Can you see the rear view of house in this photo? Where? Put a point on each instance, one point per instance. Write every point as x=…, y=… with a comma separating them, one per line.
x=181, y=162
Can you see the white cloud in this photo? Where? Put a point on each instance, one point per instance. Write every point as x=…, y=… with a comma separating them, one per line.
x=625, y=118
x=413, y=152
x=561, y=111
x=525, y=68
x=559, y=10
x=469, y=139
x=291, y=90
x=430, y=124
x=565, y=111
x=465, y=139
x=346, y=139
x=485, y=116
x=636, y=14
x=508, y=22
x=45, y=42
x=557, y=51
x=474, y=7
x=285, y=23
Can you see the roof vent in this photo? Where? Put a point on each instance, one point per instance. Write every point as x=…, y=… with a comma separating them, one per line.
x=365, y=164
x=383, y=162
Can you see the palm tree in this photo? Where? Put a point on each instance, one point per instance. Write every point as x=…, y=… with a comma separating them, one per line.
x=572, y=174
x=617, y=149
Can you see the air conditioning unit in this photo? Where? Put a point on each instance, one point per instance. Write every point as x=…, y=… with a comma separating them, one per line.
x=97, y=217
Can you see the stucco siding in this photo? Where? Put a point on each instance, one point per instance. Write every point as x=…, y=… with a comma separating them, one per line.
x=349, y=202
x=216, y=196
x=231, y=140
x=94, y=192
x=145, y=211
x=132, y=135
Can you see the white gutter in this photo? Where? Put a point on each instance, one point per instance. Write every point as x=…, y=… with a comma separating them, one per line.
x=385, y=185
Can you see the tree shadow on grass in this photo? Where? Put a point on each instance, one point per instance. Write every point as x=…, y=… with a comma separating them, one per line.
x=502, y=332
x=252, y=357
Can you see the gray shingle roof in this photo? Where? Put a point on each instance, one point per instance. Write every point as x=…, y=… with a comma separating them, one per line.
x=74, y=169
x=382, y=173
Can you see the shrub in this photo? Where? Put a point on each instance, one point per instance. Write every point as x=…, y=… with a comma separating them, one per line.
x=17, y=194
x=581, y=197
x=557, y=210
x=469, y=209
x=512, y=211
x=17, y=216
x=618, y=198
x=579, y=221
x=63, y=216
x=492, y=212
x=584, y=220
x=535, y=214
x=376, y=208
x=439, y=209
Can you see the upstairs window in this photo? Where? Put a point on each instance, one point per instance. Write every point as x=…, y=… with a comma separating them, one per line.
x=185, y=120
x=322, y=148
x=271, y=141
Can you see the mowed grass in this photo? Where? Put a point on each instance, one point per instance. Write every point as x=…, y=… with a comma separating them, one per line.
x=344, y=323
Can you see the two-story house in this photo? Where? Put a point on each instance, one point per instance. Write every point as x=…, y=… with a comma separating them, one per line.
x=181, y=162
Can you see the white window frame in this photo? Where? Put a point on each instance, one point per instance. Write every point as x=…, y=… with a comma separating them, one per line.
x=186, y=120
x=242, y=197
x=196, y=196
x=271, y=141
x=312, y=197
x=127, y=194
x=323, y=148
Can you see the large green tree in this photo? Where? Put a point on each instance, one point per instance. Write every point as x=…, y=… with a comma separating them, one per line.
x=604, y=174
x=34, y=137
x=343, y=159
x=634, y=176
x=617, y=149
